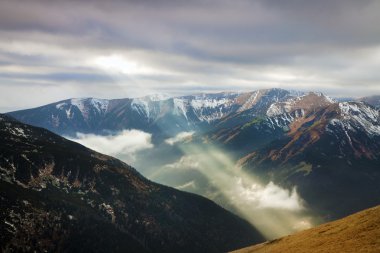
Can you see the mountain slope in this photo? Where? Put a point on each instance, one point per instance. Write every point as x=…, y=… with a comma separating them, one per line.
x=251, y=131
x=332, y=153
x=56, y=194
x=357, y=233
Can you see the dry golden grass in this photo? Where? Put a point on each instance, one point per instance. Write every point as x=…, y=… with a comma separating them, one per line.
x=359, y=232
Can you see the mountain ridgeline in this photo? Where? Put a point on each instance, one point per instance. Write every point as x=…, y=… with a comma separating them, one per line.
x=155, y=114
x=329, y=149
x=59, y=196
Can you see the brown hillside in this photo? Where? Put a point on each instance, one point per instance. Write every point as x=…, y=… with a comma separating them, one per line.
x=359, y=232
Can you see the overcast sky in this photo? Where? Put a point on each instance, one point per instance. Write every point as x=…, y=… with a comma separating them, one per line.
x=52, y=50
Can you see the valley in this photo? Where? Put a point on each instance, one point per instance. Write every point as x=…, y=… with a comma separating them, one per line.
x=189, y=126
x=301, y=150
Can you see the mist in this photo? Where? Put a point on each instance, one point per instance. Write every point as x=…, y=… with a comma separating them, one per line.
x=209, y=171
x=123, y=145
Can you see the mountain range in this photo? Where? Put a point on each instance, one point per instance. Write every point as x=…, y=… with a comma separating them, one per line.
x=329, y=149
x=59, y=196
x=155, y=114
x=172, y=115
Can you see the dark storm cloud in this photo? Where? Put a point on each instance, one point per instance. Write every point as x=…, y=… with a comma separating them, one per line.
x=332, y=46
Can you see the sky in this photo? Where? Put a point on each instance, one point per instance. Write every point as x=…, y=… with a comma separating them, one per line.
x=54, y=50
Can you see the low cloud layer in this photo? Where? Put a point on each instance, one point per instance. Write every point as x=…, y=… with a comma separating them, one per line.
x=183, y=136
x=208, y=171
x=241, y=192
x=123, y=145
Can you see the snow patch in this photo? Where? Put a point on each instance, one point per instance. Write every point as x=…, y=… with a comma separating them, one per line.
x=101, y=105
x=60, y=105
x=358, y=116
x=85, y=104
x=141, y=106
x=199, y=104
x=79, y=103
x=180, y=107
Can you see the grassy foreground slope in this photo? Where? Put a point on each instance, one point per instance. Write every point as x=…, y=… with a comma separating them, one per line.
x=359, y=232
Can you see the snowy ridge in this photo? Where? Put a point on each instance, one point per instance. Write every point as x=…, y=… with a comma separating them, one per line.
x=205, y=107
x=79, y=103
x=320, y=94
x=60, y=105
x=86, y=104
x=210, y=109
x=310, y=101
x=180, y=108
x=281, y=121
x=358, y=117
x=250, y=101
x=199, y=104
x=141, y=106
x=275, y=110
x=147, y=106
x=101, y=105
x=195, y=111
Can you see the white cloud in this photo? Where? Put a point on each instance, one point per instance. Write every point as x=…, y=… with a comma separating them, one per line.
x=268, y=196
x=179, y=138
x=123, y=145
x=238, y=187
x=185, y=162
x=246, y=192
x=187, y=186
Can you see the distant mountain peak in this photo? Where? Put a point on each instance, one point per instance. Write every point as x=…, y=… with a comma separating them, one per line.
x=305, y=103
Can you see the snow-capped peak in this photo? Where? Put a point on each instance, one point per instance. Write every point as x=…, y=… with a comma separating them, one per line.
x=305, y=102
x=141, y=105
x=84, y=105
x=357, y=115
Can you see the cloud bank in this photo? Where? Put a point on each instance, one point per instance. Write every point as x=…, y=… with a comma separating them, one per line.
x=268, y=196
x=123, y=145
x=52, y=50
x=276, y=211
x=248, y=193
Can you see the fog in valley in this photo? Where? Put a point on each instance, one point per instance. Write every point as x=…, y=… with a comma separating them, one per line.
x=210, y=171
